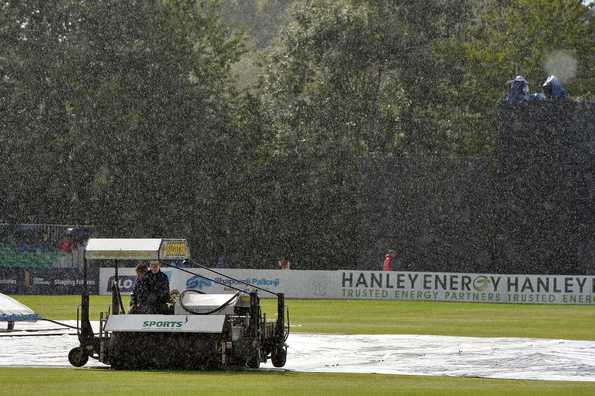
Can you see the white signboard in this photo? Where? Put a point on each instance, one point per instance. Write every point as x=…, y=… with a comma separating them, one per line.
x=166, y=323
x=427, y=286
x=297, y=284
x=443, y=286
x=126, y=279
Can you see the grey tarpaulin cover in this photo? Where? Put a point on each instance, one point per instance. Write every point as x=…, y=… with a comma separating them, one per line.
x=12, y=311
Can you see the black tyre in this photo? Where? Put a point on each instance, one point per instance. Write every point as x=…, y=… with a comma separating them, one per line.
x=279, y=356
x=77, y=357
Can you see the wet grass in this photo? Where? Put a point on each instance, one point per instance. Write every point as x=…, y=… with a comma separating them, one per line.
x=29, y=381
x=574, y=322
x=443, y=318
x=64, y=307
x=325, y=316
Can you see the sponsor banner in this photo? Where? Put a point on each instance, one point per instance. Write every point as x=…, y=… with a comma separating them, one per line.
x=126, y=278
x=166, y=323
x=347, y=284
x=513, y=289
x=61, y=281
x=295, y=284
x=47, y=281
x=9, y=281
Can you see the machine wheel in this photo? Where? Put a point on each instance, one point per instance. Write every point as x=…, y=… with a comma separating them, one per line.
x=77, y=357
x=279, y=356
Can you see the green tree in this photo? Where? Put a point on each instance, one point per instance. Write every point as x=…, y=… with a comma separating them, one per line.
x=117, y=114
x=352, y=82
x=530, y=38
x=34, y=116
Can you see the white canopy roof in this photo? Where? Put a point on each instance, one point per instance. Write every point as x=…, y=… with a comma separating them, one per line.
x=12, y=311
x=136, y=249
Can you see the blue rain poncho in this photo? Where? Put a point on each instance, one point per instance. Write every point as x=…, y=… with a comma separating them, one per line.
x=553, y=88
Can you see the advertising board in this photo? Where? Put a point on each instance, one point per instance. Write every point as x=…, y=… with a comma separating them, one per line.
x=47, y=281
x=377, y=285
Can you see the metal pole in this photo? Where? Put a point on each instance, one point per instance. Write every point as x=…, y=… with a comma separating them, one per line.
x=84, y=274
x=115, y=305
x=86, y=329
x=280, y=328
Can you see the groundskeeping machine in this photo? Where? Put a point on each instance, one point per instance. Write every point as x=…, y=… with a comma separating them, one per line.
x=201, y=331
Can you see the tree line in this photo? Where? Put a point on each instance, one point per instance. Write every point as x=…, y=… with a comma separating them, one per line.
x=162, y=118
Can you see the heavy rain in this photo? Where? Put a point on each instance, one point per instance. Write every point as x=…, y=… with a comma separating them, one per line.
x=381, y=142
x=504, y=358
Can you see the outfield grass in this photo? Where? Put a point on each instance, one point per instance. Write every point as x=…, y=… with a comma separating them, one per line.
x=573, y=322
x=444, y=318
x=326, y=316
x=104, y=382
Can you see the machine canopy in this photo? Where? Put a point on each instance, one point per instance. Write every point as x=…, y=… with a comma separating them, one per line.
x=136, y=249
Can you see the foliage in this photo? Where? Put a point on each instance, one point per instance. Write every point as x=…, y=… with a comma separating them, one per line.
x=530, y=38
x=354, y=74
x=352, y=82
x=127, y=115
x=260, y=20
x=124, y=110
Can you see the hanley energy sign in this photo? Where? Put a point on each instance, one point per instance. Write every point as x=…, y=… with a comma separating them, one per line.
x=523, y=289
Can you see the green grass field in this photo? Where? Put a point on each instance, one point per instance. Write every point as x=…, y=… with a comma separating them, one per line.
x=573, y=322
x=103, y=382
x=328, y=316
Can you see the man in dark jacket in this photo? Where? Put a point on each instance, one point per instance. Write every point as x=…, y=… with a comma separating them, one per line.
x=138, y=298
x=157, y=289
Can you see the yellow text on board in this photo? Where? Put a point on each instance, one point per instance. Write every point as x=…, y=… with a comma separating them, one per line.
x=175, y=249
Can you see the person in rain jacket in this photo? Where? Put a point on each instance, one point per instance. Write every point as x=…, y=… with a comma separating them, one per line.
x=138, y=297
x=553, y=88
x=389, y=258
x=157, y=289
x=284, y=263
x=519, y=91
